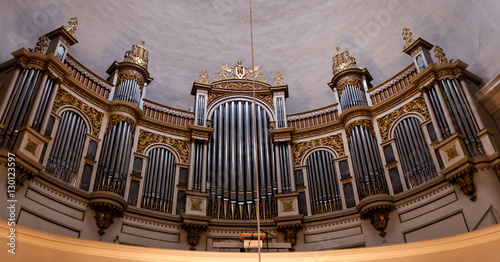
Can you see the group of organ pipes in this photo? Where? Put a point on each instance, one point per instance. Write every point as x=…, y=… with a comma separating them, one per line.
x=221, y=165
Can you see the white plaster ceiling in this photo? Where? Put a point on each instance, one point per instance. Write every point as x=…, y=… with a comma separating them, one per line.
x=296, y=37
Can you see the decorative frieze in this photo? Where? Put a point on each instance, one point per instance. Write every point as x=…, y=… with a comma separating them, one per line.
x=334, y=141
x=147, y=138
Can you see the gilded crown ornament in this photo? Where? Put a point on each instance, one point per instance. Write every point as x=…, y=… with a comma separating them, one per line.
x=278, y=79
x=407, y=36
x=343, y=61
x=42, y=44
x=138, y=55
x=441, y=56
x=72, y=25
x=239, y=71
x=203, y=77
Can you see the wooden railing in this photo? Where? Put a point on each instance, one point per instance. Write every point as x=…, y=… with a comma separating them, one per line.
x=393, y=85
x=167, y=114
x=88, y=78
x=313, y=118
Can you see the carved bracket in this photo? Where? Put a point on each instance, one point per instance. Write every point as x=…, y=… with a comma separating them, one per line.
x=290, y=232
x=23, y=174
x=193, y=233
x=104, y=214
x=465, y=181
x=379, y=217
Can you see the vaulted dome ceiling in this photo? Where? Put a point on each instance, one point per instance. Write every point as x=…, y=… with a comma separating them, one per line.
x=296, y=37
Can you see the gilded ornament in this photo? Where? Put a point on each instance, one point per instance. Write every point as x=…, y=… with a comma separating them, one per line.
x=138, y=55
x=417, y=105
x=239, y=71
x=72, y=25
x=451, y=152
x=193, y=233
x=334, y=141
x=407, y=37
x=379, y=217
x=116, y=119
x=240, y=86
x=290, y=232
x=441, y=56
x=268, y=99
x=278, y=79
x=104, y=214
x=95, y=117
x=42, y=44
x=196, y=204
x=288, y=206
x=147, y=138
x=465, y=180
x=203, y=77
x=131, y=76
x=31, y=146
x=343, y=61
x=319, y=131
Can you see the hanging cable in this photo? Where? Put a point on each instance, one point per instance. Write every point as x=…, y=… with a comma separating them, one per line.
x=257, y=202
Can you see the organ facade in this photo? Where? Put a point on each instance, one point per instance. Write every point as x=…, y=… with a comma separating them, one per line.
x=410, y=159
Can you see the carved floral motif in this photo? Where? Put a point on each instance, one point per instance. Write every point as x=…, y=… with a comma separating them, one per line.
x=379, y=217
x=333, y=141
x=116, y=119
x=147, y=138
x=104, y=214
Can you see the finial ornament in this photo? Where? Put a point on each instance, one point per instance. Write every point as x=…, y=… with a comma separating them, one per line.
x=343, y=61
x=203, y=77
x=72, y=25
x=42, y=44
x=239, y=71
x=278, y=79
x=441, y=56
x=138, y=55
x=407, y=36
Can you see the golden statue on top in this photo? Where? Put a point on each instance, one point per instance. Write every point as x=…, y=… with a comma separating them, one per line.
x=42, y=44
x=407, y=36
x=72, y=25
x=343, y=61
x=203, y=77
x=278, y=79
x=441, y=56
x=138, y=55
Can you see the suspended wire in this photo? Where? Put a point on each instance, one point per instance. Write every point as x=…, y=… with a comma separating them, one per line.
x=257, y=202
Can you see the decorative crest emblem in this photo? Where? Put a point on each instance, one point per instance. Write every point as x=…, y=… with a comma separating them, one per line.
x=239, y=71
x=138, y=55
x=343, y=61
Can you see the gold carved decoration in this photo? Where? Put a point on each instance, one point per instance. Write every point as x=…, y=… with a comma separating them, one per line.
x=268, y=99
x=42, y=44
x=138, y=55
x=441, y=56
x=343, y=61
x=239, y=71
x=203, y=77
x=116, y=119
x=196, y=204
x=353, y=82
x=384, y=123
x=272, y=124
x=288, y=206
x=193, y=233
x=31, y=146
x=147, y=138
x=365, y=123
x=290, y=232
x=95, y=117
x=131, y=76
x=72, y=25
x=333, y=141
x=240, y=86
x=407, y=36
x=451, y=152
x=379, y=217
x=104, y=214
x=465, y=180
x=23, y=174
x=278, y=79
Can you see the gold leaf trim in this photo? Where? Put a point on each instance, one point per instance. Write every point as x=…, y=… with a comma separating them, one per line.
x=334, y=141
x=147, y=138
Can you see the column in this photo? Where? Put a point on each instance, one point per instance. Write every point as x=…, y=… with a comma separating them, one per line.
x=472, y=105
x=204, y=168
x=191, y=166
x=36, y=101
x=290, y=160
x=50, y=104
x=443, y=103
x=433, y=116
x=278, y=167
x=336, y=94
x=308, y=197
x=8, y=92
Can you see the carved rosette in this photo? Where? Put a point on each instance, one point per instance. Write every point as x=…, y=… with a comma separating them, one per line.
x=95, y=117
x=290, y=232
x=333, y=141
x=104, y=214
x=147, y=138
x=379, y=217
x=465, y=180
x=384, y=123
x=193, y=233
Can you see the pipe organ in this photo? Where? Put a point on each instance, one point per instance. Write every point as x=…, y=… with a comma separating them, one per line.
x=155, y=168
